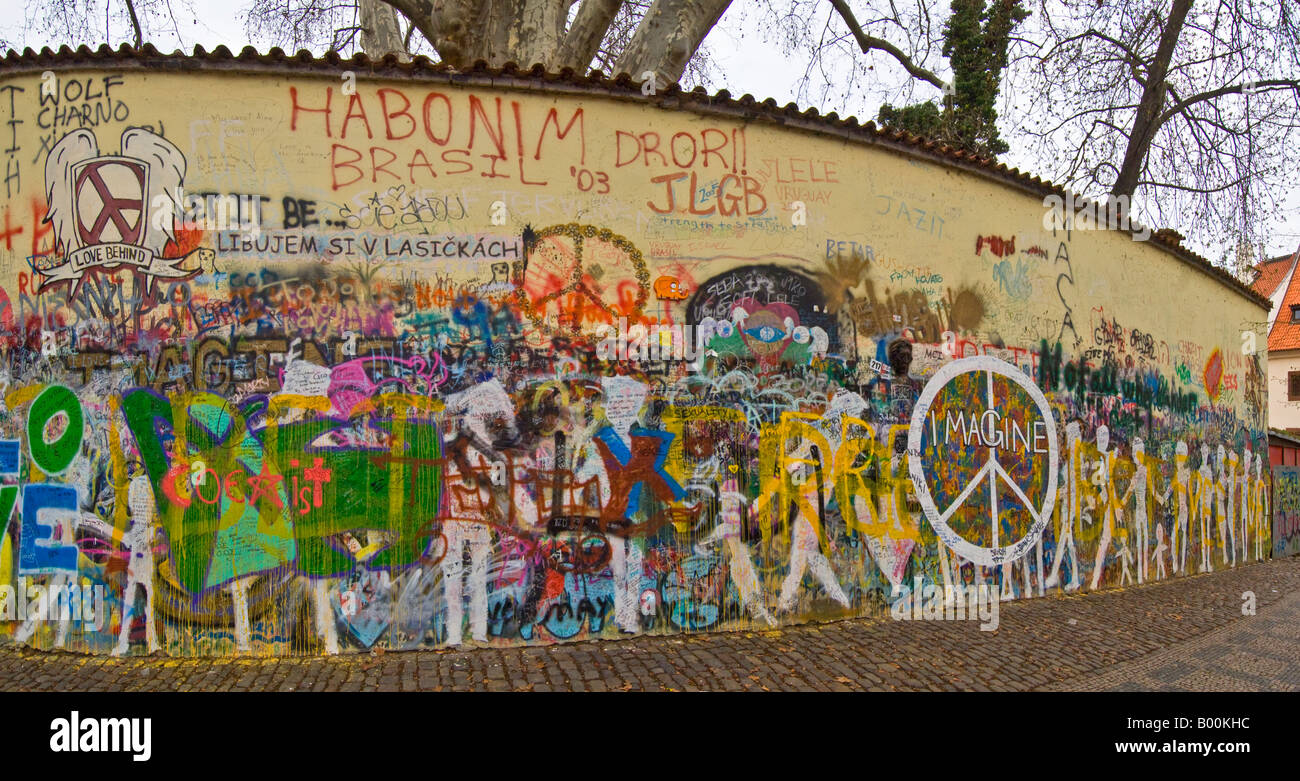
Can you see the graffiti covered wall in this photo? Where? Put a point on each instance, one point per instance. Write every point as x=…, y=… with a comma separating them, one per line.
x=1286, y=511
x=299, y=364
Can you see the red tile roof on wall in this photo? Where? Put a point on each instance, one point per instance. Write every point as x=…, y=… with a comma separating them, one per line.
x=1285, y=335
x=568, y=81
x=1271, y=273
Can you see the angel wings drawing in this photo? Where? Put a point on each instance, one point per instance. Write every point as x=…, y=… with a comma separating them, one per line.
x=111, y=210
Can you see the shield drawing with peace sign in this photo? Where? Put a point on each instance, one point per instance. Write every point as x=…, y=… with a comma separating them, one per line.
x=983, y=455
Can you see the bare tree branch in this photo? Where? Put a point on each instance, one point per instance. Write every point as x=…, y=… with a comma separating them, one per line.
x=1235, y=89
x=135, y=24
x=869, y=43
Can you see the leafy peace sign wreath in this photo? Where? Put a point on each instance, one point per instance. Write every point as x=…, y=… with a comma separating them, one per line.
x=578, y=234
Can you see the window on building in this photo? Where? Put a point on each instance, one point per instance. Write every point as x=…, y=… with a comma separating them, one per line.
x=1295, y=313
x=1293, y=386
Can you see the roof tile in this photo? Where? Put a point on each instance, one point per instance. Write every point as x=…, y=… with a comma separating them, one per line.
x=1285, y=334
x=1271, y=273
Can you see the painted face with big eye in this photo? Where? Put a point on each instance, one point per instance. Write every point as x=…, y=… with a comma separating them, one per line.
x=765, y=334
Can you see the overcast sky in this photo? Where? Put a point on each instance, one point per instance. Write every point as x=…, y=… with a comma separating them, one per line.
x=747, y=63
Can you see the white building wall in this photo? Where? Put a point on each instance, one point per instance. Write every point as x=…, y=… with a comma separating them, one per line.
x=1282, y=413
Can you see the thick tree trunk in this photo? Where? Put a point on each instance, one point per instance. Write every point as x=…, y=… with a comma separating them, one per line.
x=380, y=32
x=581, y=43
x=528, y=32
x=1146, y=120
x=454, y=27
x=668, y=36
x=525, y=32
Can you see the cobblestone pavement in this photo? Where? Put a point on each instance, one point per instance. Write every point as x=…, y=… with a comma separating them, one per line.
x=1258, y=653
x=1187, y=633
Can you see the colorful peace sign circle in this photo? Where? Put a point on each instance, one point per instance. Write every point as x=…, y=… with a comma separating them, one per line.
x=983, y=429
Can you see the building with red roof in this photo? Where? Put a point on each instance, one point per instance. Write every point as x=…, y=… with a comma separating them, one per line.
x=1277, y=279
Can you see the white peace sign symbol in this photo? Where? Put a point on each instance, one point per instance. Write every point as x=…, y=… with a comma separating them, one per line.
x=997, y=554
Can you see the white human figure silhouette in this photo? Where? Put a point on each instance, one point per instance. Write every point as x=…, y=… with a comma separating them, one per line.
x=626, y=564
x=1262, y=518
x=320, y=593
x=139, y=567
x=878, y=506
x=623, y=403
x=805, y=547
x=239, y=597
x=1182, y=485
x=1112, y=509
x=884, y=511
x=1205, y=503
x=891, y=494
x=478, y=537
x=1217, y=491
x=1247, y=502
x=1125, y=556
x=470, y=501
x=626, y=561
x=1141, y=487
x=1160, y=551
x=1223, y=502
x=1038, y=556
x=469, y=496
x=1234, y=495
x=1067, y=511
x=742, y=565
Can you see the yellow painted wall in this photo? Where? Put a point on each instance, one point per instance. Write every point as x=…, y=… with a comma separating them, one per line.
x=554, y=207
